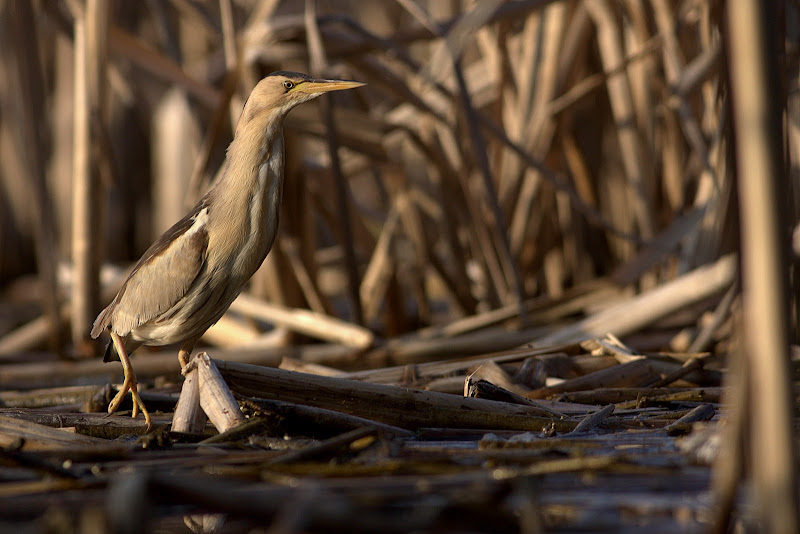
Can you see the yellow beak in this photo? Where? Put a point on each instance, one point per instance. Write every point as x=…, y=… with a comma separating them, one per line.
x=324, y=86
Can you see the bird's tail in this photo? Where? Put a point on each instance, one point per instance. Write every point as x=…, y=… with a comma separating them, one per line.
x=111, y=353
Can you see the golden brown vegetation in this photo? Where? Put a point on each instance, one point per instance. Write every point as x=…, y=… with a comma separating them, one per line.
x=508, y=151
x=518, y=177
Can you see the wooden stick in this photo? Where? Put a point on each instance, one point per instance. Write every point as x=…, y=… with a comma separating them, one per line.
x=93, y=425
x=623, y=395
x=293, y=364
x=380, y=268
x=403, y=407
x=39, y=437
x=704, y=412
x=189, y=417
x=593, y=420
x=316, y=422
x=673, y=395
x=633, y=314
x=689, y=366
x=634, y=373
x=493, y=373
x=482, y=389
x=399, y=374
x=216, y=398
x=40, y=398
x=425, y=350
x=328, y=446
x=306, y=322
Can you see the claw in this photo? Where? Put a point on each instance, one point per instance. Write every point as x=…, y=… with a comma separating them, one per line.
x=129, y=384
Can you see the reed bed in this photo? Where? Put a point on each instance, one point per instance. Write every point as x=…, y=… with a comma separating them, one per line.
x=516, y=177
x=498, y=154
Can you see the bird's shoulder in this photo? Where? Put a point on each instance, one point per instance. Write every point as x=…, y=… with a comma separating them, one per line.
x=195, y=219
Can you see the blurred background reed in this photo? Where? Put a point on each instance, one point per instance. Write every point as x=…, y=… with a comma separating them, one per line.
x=505, y=156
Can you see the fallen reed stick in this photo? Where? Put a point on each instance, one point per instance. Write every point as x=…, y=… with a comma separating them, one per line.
x=403, y=407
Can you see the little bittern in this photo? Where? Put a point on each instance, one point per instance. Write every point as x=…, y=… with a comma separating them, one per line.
x=191, y=274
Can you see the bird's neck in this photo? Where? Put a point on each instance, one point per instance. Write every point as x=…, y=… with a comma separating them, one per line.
x=250, y=190
x=254, y=172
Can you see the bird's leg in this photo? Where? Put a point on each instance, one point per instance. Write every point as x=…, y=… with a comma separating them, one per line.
x=186, y=350
x=129, y=384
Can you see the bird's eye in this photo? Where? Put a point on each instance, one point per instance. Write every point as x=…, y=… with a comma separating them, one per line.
x=288, y=85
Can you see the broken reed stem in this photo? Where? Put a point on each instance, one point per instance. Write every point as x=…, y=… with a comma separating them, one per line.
x=313, y=324
x=632, y=374
x=593, y=420
x=216, y=398
x=403, y=407
x=189, y=417
x=637, y=312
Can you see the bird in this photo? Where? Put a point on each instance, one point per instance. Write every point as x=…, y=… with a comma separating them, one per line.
x=190, y=275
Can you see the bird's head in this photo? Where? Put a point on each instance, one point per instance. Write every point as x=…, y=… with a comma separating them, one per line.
x=277, y=93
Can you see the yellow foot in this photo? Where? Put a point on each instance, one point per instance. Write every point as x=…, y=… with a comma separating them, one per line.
x=130, y=385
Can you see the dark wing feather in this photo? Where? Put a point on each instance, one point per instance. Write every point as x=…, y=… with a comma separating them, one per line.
x=160, y=278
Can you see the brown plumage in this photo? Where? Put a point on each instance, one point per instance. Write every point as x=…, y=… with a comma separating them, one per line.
x=191, y=274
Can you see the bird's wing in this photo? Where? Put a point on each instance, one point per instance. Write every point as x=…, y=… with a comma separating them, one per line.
x=162, y=276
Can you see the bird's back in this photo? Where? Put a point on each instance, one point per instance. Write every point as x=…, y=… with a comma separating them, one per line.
x=161, y=277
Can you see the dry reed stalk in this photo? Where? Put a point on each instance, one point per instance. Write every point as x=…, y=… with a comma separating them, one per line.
x=380, y=269
x=303, y=274
x=331, y=445
x=491, y=372
x=176, y=139
x=39, y=398
x=630, y=397
x=38, y=437
x=27, y=70
x=219, y=102
x=426, y=350
x=216, y=400
x=673, y=67
x=631, y=315
x=632, y=374
x=593, y=420
x=91, y=50
x=311, y=421
x=293, y=364
x=30, y=335
x=306, y=322
x=189, y=417
x=721, y=314
x=404, y=374
x=406, y=408
x=231, y=55
x=757, y=108
x=232, y=332
x=529, y=119
x=631, y=149
x=704, y=412
x=319, y=64
x=658, y=248
x=123, y=44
